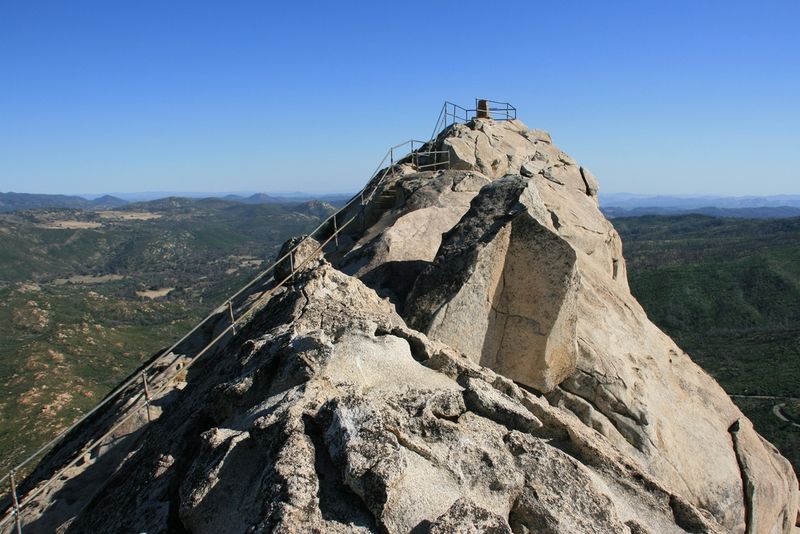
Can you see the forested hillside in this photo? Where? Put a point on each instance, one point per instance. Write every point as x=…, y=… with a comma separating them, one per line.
x=87, y=296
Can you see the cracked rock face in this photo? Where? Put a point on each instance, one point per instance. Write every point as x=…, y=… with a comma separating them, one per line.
x=503, y=288
x=390, y=254
x=473, y=363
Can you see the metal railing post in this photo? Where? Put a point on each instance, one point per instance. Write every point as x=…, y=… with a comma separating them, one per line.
x=335, y=232
x=146, y=397
x=291, y=264
x=363, y=212
x=17, y=520
x=233, y=319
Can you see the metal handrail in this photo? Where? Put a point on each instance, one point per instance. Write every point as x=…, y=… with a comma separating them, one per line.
x=363, y=196
x=502, y=111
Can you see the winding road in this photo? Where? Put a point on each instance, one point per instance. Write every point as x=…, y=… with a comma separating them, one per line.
x=777, y=409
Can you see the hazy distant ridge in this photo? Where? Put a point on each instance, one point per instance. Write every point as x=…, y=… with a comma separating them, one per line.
x=613, y=205
x=750, y=207
x=630, y=201
x=779, y=212
x=26, y=201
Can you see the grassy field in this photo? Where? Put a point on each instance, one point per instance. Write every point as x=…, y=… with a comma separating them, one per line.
x=86, y=296
x=728, y=292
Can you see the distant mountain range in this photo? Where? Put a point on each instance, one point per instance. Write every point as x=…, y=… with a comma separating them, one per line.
x=331, y=198
x=25, y=201
x=263, y=198
x=778, y=212
x=630, y=200
x=751, y=207
x=613, y=205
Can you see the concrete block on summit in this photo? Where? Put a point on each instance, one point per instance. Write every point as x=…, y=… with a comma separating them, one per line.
x=482, y=112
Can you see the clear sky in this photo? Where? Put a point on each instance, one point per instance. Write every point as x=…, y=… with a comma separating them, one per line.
x=673, y=97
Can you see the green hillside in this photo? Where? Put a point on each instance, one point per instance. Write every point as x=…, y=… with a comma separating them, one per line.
x=86, y=296
x=728, y=292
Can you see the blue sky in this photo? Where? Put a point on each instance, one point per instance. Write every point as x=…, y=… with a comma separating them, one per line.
x=699, y=97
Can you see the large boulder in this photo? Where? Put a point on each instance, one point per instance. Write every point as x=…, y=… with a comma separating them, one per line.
x=296, y=253
x=411, y=211
x=503, y=288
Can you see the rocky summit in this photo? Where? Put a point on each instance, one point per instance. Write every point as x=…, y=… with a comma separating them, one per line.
x=468, y=359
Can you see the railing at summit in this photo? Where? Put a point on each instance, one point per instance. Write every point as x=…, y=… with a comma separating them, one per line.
x=452, y=113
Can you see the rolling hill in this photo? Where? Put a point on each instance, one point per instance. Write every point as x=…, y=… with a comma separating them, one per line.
x=87, y=295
